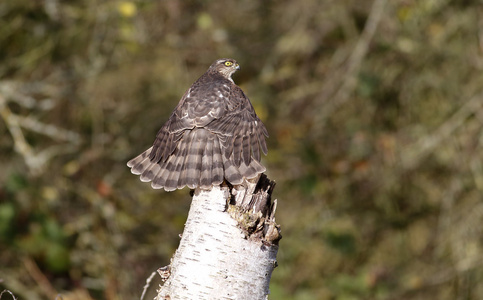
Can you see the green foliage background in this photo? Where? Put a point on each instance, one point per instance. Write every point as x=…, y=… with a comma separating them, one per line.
x=375, y=115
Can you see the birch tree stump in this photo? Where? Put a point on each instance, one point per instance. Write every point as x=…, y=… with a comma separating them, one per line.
x=229, y=245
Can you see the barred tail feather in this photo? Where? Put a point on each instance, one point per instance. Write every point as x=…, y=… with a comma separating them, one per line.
x=150, y=172
x=232, y=174
x=217, y=171
x=199, y=160
x=206, y=179
x=140, y=162
x=159, y=180
x=172, y=182
x=252, y=170
x=186, y=142
x=194, y=157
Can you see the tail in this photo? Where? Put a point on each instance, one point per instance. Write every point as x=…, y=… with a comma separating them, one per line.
x=197, y=161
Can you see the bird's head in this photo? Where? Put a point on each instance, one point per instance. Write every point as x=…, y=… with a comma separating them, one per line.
x=225, y=66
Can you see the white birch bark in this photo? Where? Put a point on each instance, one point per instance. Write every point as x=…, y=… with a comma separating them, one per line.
x=216, y=258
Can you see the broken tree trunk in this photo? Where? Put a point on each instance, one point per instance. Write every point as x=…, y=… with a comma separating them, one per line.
x=229, y=245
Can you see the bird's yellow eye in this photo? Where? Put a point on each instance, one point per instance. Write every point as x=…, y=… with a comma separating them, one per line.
x=228, y=63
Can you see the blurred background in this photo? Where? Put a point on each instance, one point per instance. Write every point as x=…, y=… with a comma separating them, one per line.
x=375, y=115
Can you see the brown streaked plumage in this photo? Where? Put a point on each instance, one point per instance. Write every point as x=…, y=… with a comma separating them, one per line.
x=213, y=134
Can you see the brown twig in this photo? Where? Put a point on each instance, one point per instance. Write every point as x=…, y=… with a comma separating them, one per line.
x=39, y=277
x=412, y=155
x=35, y=160
x=342, y=95
x=147, y=285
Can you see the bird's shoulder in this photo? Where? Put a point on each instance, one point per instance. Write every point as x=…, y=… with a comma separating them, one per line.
x=212, y=81
x=211, y=89
x=205, y=100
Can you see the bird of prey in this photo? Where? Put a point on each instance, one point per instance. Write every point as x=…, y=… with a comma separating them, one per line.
x=213, y=134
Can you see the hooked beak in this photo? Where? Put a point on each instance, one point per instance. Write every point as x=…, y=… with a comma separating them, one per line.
x=237, y=67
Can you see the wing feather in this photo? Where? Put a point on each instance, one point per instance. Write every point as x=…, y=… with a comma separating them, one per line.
x=246, y=149
x=242, y=132
x=217, y=171
x=184, y=160
x=254, y=145
x=207, y=163
x=193, y=161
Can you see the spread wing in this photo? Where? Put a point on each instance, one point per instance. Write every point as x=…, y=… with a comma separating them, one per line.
x=241, y=133
x=198, y=107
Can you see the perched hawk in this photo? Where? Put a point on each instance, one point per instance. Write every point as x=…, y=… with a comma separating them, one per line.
x=213, y=134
